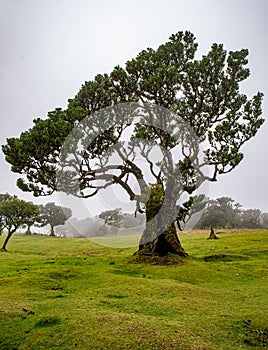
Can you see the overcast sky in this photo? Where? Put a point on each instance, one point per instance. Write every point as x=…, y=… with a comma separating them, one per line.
x=50, y=47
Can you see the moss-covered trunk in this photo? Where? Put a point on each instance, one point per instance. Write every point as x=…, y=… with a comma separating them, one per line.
x=160, y=235
x=162, y=245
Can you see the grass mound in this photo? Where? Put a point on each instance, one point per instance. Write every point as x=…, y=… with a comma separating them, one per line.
x=48, y=321
x=157, y=260
x=224, y=257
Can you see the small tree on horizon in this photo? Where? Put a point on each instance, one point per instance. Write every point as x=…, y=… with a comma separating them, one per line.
x=222, y=212
x=112, y=217
x=33, y=220
x=3, y=198
x=53, y=215
x=225, y=212
x=250, y=218
x=15, y=213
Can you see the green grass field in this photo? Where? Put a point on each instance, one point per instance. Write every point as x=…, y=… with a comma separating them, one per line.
x=58, y=293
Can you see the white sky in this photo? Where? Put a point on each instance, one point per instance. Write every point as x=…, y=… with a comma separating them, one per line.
x=50, y=47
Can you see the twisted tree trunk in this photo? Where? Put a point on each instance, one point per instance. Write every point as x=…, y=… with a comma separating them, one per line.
x=9, y=234
x=52, y=232
x=160, y=234
x=28, y=232
x=162, y=245
x=212, y=234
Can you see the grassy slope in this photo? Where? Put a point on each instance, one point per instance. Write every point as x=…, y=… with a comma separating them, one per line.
x=86, y=296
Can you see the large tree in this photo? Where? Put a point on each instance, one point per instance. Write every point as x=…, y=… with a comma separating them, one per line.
x=175, y=101
x=15, y=213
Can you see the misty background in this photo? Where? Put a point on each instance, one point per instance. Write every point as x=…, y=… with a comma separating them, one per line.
x=49, y=48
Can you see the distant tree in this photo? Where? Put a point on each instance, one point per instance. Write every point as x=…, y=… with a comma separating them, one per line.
x=222, y=212
x=200, y=92
x=264, y=219
x=212, y=217
x=15, y=213
x=53, y=215
x=32, y=220
x=250, y=218
x=3, y=198
x=112, y=217
x=230, y=209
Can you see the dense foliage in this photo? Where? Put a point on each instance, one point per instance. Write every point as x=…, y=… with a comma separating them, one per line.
x=224, y=212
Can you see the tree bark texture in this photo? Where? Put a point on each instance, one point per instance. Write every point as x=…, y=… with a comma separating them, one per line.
x=160, y=235
x=52, y=232
x=6, y=240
